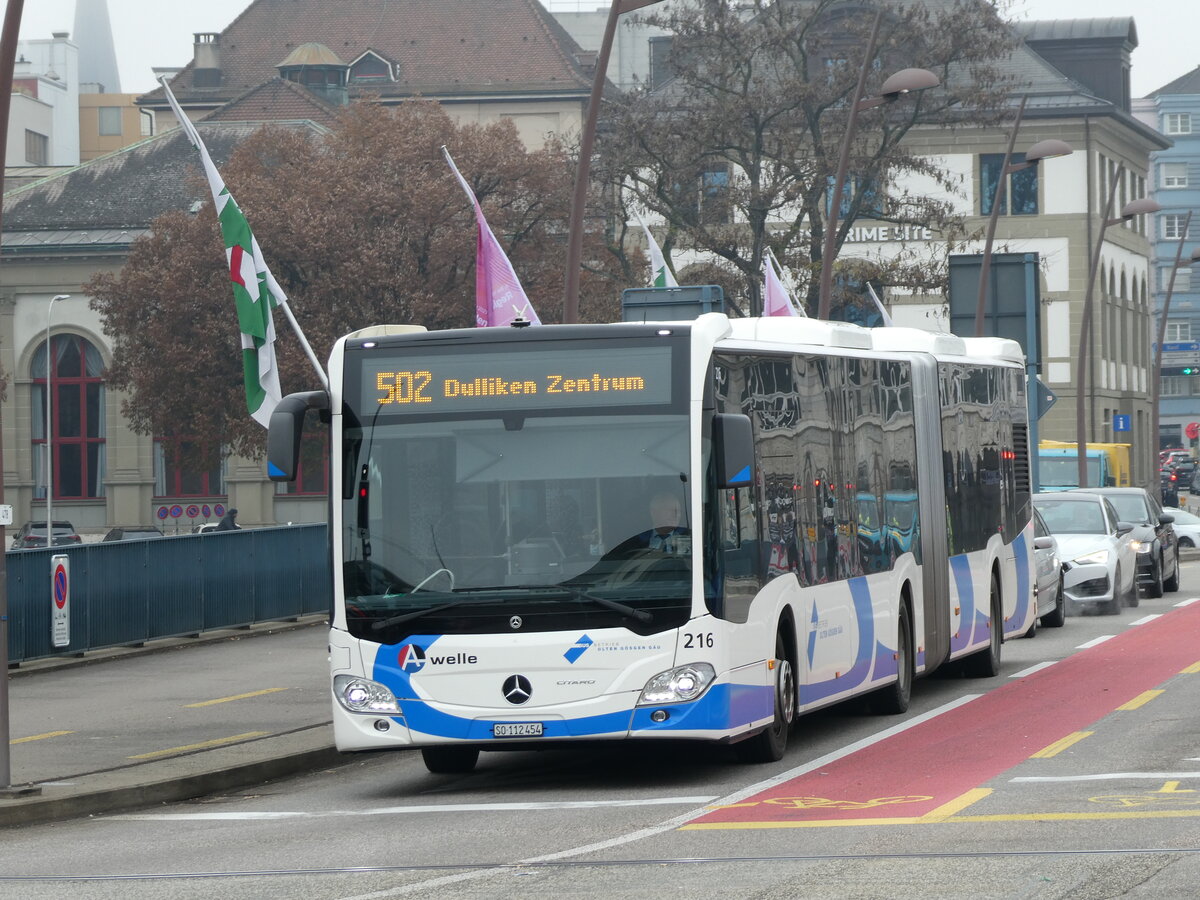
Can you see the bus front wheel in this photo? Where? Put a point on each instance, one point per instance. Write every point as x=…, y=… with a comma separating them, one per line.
x=770, y=743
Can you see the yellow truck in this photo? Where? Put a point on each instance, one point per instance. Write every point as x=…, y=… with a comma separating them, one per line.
x=1114, y=472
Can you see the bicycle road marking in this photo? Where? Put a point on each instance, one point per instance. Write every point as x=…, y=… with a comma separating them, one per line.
x=234, y=697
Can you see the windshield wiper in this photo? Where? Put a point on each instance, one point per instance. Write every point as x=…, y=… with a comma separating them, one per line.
x=580, y=594
x=417, y=613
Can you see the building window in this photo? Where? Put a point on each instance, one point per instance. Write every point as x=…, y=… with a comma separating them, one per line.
x=871, y=206
x=1177, y=123
x=110, y=121
x=76, y=418
x=181, y=471
x=37, y=148
x=370, y=69
x=147, y=123
x=714, y=196
x=1174, y=175
x=1183, y=285
x=1173, y=225
x=1178, y=385
x=1021, y=191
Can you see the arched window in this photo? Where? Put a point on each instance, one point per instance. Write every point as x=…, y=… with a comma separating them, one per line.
x=181, y=471
x=77, y=418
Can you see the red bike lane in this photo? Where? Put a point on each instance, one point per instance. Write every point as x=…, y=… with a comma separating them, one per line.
x=934, y=769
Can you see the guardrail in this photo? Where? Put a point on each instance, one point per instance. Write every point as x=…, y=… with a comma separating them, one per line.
x=129, y=592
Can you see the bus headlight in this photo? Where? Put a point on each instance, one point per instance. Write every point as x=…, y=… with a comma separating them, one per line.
x=678, y=685
x=360, y=695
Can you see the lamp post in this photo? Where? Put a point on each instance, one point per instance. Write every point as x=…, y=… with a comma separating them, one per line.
x=903, y=82
x=1128, y=211
x=1047, y=149
x=586, y=141
x=49, y=425
x=8, y=54
x=1156, y=373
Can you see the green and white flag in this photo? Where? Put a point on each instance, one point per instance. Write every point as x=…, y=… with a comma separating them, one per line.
x=660, y=273
x=255, y=290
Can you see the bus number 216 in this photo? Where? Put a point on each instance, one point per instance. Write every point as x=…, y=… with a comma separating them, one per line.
x=702, y=639
x=403, y=387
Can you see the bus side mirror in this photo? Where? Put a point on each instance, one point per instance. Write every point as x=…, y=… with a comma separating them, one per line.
x=733, y=439
x=283, y=434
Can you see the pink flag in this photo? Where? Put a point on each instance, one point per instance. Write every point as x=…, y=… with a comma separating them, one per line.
x=499, y=297
x=775, y=297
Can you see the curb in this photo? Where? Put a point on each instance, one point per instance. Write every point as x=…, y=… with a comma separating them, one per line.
x=228, y=768
x=162, y=645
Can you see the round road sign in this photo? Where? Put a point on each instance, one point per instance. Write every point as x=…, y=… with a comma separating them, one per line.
x=60, y=586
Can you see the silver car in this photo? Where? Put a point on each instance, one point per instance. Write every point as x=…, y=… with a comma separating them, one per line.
x=1099, y=559
x=1048, y=580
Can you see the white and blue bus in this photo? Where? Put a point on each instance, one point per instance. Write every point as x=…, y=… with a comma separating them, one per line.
x=689, y=530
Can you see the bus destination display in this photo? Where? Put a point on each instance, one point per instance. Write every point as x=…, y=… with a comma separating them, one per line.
x=537, y=379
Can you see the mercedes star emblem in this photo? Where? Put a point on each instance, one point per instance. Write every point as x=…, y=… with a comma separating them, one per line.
x=517, y=689
x=516, y=622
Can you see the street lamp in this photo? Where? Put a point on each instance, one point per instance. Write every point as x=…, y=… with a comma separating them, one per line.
x=1156, y=372
x=1047, y=149
x=1128, y=211
x=906, y=81
x=586, y=140
x=49, y=425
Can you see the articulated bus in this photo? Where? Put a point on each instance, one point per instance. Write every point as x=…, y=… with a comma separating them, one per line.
x=690, y=530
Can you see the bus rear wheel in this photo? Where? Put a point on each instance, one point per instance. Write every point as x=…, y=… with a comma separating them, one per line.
x=770, y=743
x=893, y=699
x=450, y=760
x=986, y=663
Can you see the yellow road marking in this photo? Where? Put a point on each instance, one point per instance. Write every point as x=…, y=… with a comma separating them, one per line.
x=1193, y=669
x=234, y=697
x=1140, y=700
x=203, y=745
x=1172, y=787
x=952, y=820
x=1060, y=745
x=956, y=805
x=39, y=737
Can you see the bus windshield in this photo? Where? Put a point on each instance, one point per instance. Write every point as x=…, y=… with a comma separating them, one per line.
x=465, y=524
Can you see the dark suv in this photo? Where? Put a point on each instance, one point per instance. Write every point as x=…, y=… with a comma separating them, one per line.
x=1153, y=537
x=33, y=534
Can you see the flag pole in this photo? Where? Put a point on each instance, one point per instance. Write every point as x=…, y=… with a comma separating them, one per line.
x=194, y=136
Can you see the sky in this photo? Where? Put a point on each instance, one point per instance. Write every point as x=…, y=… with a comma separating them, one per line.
x=150, y=33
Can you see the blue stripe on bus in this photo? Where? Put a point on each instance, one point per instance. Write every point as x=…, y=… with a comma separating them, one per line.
x=864, y=615
x=724, y=707
x=1021, y=552
x=960, y=568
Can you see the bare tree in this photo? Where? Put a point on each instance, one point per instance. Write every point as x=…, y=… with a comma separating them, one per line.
x=737, y=150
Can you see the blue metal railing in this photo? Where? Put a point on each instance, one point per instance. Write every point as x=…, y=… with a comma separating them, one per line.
x=128, y=592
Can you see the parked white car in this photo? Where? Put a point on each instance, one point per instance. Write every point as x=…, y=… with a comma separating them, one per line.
x=1048, y=582
x=1187, y=526
x=1099, y=559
